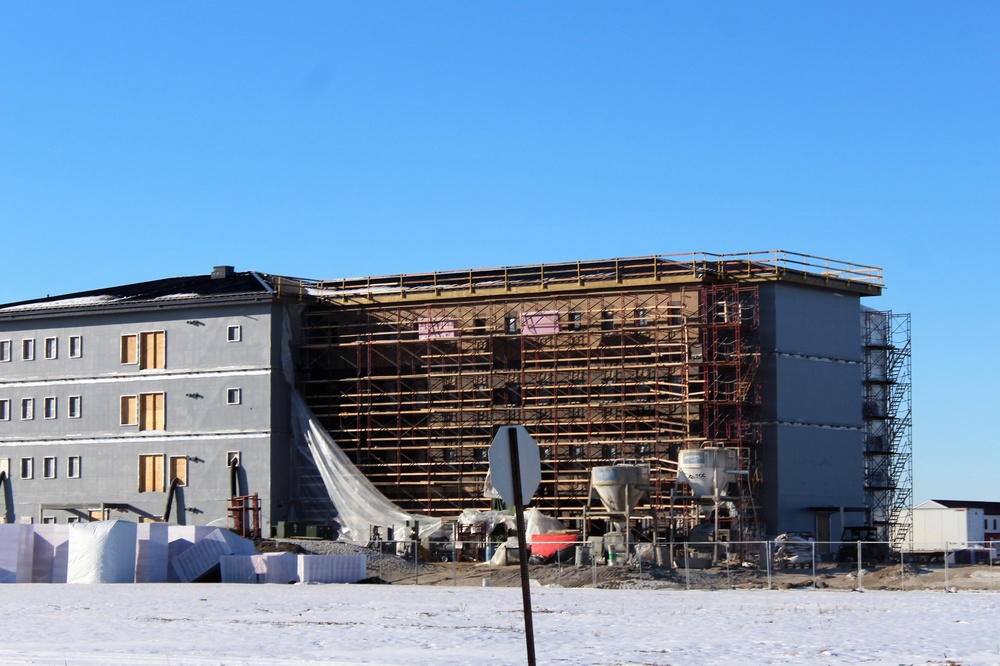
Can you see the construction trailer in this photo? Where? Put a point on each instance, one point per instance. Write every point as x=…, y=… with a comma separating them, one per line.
x=940, y=527
x=768, y=356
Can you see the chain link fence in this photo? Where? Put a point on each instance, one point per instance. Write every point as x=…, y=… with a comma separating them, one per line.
x=767, y=565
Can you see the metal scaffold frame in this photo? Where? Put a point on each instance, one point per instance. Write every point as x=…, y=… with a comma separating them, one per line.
x=888, y=443
x=414, y=392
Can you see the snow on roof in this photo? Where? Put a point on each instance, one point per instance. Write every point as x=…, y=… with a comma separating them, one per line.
x=79, y=301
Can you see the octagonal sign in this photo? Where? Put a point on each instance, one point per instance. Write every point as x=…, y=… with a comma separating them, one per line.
x=529, y=460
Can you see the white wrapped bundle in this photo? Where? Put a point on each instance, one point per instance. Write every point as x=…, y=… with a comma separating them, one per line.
x=102, y=552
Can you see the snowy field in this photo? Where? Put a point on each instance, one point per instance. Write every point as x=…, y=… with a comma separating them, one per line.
x=368, y=624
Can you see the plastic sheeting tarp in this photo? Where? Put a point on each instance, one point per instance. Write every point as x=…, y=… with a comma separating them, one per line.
x=203, y=557
x=50, y=553
x=359, y=503
x=535, y=522
x=332, y=568
x=101, y=552
x=180, y=539
x=489, y=520
x=17, y=544
x=280, y=568
x=152, y=552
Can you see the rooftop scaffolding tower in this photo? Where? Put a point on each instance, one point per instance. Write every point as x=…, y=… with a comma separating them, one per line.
x=887, y=412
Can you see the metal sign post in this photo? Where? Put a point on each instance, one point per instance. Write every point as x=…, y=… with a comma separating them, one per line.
x=515, y=469
x=522, y=546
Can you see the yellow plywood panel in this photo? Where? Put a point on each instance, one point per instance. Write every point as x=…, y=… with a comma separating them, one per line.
x=151, y=473
x=179, y=469
x=151, y=411
x=129, y=411
x=153, y=350
x=129, y=351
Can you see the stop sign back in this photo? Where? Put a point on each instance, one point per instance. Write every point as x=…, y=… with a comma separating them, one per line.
x=529, y=460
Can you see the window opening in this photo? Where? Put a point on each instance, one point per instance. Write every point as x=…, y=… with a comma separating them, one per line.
x=49, y=408
x=151, y=411
x=179, y=470
x=234, y=333
x=75, y=346
x=130, y=355
x=75, y=406
x=28, y=349
x=27, y=409
x=49, y=467
x=4, y=351
x=73, y=467
x=151, y=473
x=153, y=350
x=234, y=396
x=129, y=412
x=27, y=468
x=51, y=348
x=5, y=410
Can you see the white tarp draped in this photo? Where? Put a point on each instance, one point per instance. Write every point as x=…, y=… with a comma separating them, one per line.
x=102, y=552
x=359, y=503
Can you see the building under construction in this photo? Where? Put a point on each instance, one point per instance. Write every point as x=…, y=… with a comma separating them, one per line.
x=630, y=360
x=183, y=392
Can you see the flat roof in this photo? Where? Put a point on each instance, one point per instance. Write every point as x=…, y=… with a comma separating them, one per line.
x=632, y=272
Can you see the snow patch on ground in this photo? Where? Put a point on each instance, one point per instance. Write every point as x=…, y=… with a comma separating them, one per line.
x=401, y=624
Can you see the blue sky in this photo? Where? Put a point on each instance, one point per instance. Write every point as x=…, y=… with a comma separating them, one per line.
x=145, y=140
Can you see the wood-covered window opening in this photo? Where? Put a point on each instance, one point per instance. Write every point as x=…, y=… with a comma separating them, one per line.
x=153, y=350
x=152, y=412
x=130, y=410
x=151, y=473
x=179, y=470
x=130, y=353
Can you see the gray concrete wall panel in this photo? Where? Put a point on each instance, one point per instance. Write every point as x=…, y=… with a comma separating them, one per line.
x=817, y=467
x=818, y=392
x=796, y=319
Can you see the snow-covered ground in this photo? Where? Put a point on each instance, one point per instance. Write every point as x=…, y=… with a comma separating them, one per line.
x=395, y=624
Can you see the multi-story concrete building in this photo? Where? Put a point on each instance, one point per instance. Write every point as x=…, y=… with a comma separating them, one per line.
x=107, y=396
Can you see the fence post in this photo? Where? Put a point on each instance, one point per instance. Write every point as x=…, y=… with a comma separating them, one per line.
x=861, y=585
x=767, y=557
x=813, y=544
x=729, y=579
x=593, y=566
x=946, y=584
x=687, y=569
x=902, y=572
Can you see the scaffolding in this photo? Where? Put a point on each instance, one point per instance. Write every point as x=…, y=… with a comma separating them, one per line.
x=887, y=417
x=602, y=362
x=414, y=394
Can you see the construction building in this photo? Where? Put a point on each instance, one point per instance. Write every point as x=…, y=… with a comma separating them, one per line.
x=769, y=356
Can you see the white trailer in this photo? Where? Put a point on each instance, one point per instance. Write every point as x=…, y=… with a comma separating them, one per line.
x=938, y=530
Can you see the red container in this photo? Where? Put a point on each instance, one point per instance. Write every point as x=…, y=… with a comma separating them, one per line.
x=549, y=544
